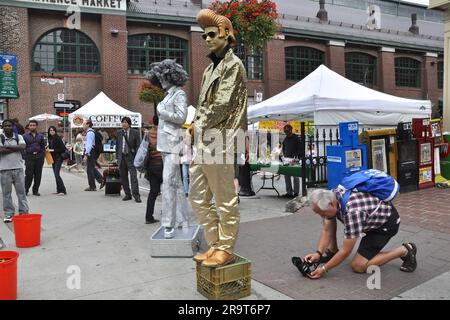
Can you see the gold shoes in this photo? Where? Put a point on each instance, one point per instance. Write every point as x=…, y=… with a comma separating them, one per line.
x=218, y=259
x=200, y=257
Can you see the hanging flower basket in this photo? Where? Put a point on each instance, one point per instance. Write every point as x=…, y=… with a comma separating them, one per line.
x=255, y=22
x=150, y=93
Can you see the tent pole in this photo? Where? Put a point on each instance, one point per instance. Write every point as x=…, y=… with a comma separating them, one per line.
x=303, y=158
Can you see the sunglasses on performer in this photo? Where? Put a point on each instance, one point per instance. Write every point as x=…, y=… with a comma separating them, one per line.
x=210, y=34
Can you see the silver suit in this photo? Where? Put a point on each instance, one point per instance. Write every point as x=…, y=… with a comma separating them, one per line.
x=175, y=208
x=172, y=113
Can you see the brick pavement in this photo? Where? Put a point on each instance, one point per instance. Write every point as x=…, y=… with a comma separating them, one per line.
x=427, y=208
x=271, y=243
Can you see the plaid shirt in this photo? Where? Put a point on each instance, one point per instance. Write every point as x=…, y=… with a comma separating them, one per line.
x=364, y=213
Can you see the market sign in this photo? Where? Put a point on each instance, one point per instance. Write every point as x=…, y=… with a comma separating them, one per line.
x=8, y=76
x=112, y=6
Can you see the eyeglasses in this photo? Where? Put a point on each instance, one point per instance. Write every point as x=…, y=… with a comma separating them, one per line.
x=210, y=34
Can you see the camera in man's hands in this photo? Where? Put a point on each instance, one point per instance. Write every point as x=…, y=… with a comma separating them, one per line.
x=305, y=267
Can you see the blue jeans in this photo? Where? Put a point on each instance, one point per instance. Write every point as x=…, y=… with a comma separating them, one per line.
x=60, y=187
x=185, y=170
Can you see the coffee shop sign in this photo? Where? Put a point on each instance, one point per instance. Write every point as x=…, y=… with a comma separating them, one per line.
x=112, y=121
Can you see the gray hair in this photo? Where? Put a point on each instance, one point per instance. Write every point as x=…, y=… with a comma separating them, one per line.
x=322, y=198
x=168, y=70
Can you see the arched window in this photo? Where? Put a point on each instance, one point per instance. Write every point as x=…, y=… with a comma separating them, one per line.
x=301, y=61
x=407, y=73
x=144, y=49
x=361, y=68
x=253, y=62
x=66, y=50
x=440, y=68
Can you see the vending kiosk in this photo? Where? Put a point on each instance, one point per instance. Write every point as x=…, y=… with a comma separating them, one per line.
x=440, y=150
x=408, y=159
x=422, y=132
x=382, y=149
x=347, y=157
x=445, y=158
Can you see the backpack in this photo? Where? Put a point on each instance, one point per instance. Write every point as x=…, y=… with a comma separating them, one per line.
x=16, y=137
x=373, y=181
x=98, y=145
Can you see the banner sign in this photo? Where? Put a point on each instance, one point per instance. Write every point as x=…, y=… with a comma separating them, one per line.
x=113, y=6
x=106, y=121
x=8, y=76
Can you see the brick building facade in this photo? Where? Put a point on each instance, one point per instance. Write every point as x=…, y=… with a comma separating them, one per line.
x=111, y=34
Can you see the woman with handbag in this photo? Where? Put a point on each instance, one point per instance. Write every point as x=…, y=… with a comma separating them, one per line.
x=153, y=163
x=58, y=151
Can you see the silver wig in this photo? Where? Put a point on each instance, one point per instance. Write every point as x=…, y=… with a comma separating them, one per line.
x=167, y=70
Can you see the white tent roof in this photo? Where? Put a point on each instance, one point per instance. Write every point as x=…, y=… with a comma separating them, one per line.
x=329, y=98
x=104, y=113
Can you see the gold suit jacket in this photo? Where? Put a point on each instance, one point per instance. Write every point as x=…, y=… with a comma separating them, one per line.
x=222, y=103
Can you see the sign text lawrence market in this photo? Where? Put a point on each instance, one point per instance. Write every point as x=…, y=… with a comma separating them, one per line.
x=119, y=5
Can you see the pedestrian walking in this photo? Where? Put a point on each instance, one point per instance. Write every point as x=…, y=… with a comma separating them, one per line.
x=92, y=151
x=128, y=141
x=57, y=148
x=34, y=157
x=154, y=165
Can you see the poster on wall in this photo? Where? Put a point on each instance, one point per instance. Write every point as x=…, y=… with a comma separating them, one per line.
x=8, y=76
x=425, y=152
x=379, y=160
x=425, y=175
x=353, y=159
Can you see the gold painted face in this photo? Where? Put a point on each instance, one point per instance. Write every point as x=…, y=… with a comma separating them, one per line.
x=213, y=41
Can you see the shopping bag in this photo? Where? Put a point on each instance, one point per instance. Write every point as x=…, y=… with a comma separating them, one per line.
x=48, y=157
x=139, y=160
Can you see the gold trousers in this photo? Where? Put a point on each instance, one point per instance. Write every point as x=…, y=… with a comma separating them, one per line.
x=220, y=221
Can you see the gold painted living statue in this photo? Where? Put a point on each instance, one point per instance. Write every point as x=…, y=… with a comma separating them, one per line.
x=222, y=108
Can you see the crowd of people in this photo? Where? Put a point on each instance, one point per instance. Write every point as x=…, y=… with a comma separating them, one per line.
x=210, y=187
x=24, y=151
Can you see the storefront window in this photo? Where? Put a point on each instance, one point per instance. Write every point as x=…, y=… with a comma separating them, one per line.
x=301, y=61
x=144, y=49
x=407, y=73
x=253, y=62
x=361, y=68
x=66, y=50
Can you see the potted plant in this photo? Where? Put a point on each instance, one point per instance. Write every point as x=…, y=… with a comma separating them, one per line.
x=150, y=93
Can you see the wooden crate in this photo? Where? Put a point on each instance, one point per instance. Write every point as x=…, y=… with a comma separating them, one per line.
x=229, y=282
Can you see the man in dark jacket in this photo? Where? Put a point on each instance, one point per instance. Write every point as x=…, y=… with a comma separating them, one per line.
x=34, y=157
x=291, y=149
x=128, y=141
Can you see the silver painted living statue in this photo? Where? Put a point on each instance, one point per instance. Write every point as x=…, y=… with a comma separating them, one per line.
x=172, y=113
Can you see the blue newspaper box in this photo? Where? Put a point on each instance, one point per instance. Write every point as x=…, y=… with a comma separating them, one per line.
x=347, y=157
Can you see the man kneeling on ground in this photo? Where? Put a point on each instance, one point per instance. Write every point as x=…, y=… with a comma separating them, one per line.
x=366, y=217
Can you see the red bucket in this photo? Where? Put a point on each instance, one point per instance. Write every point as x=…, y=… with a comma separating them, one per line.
x=8, y=275
x=27, y=230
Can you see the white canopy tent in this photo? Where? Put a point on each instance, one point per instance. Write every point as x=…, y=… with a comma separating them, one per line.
x=104, y=113
x=328, y=98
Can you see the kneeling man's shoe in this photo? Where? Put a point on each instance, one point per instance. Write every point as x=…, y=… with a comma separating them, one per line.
x=218, y=259
x=200, y=257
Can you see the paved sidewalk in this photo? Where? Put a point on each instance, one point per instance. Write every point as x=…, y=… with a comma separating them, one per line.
x=108, y=240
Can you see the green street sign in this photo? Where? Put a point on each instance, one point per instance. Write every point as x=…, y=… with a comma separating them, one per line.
x=8, y=76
